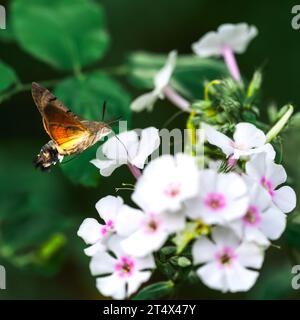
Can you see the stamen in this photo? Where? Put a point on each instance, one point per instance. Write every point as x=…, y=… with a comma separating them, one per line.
x=252, y=217
x=215, y=201
x=226, y=257
x=125, y=267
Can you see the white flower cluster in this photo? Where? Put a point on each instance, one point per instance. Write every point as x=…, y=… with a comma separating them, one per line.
x=244, y=211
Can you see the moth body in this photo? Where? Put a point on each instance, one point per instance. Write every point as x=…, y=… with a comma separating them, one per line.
x=47, y=157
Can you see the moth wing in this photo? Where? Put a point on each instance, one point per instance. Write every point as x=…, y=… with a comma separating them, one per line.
x=63, y=126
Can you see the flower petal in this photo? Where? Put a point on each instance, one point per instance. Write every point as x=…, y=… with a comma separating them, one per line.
x=144, y=102
x=219, y=139
x=94, y=249
x=123, y=148
x=114, y=245
x=285, y=199
x=256, y=167
x=203, y=250
x=112, y=286
x=145, y=263
x=177, y=177
x=273, y=223
x=136, y=280
x=140, y=243
x=255, y=235
x=149, y=142
x=108, y=207
x=163, y=77
x=208, y=46
x=224, y=237
x=275, y=172
x=90, y=230
x=173, y=221
x=102, y=263
x=128, y=221
x=107, y=167
x=231, y=184
x=250, y=255
x=248, y=136
x=212, y=276
x=237, y=36
x=240, y=279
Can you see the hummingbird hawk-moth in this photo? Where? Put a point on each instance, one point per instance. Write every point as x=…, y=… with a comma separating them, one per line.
x=69, y=133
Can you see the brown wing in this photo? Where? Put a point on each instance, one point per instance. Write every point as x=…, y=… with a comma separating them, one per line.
x=64, y=127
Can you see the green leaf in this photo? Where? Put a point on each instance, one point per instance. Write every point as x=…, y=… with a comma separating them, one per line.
x=274, y=283
x=67, y=34
x=292, y=234
x=35, y=215
x=184, y=262
x=85, y=97
x=155, y=291
x=8, y=76
x=80, y=171
x=189, y=76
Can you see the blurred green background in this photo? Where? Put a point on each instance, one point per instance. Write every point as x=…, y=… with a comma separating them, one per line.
x=81, y=50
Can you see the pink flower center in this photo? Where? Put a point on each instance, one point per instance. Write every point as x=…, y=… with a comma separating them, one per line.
x=125, y=267
x=107, y=227
x=173, y=190
x=215, y=201
x=151, y=224
x=267, y=184
x=225, y=257
x=252, y=217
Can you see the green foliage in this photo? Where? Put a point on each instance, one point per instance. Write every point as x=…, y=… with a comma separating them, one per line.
x=189, y=76
x=292, y=233
x=274, y=283
x=85, y=96
x=66, y=34
x=155, y=291
x=31, y=210
x=7, y=77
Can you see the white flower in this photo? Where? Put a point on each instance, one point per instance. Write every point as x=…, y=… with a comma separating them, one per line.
x=247, y=140
x=166, y=182
x=270, y=175
x=221, y=198
x=236, y=37
x=161, y=80
x=131, y=150
x=146, y=232
x=226, y=261
x=262, y=221
x=123, y=275
x=96, y=234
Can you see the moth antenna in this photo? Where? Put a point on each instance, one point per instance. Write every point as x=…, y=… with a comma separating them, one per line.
x=121, y=143
x=114, y=121
x=103, y=110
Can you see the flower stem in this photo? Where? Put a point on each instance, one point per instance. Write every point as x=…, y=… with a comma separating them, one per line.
x=136, y=172
x=231, y=63
x=177, y=99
